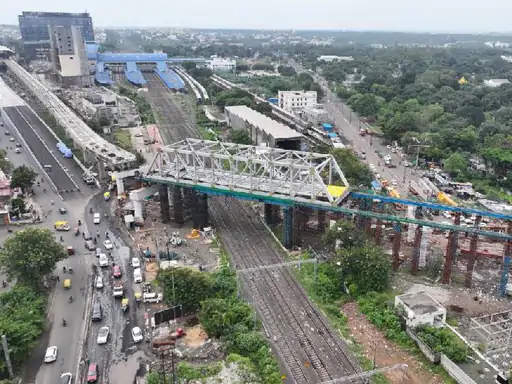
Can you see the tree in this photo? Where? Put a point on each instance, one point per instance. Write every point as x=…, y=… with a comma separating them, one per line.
x=190, y=287
x=103, y=121
x=22, y=320
x=139, y=158
x=219, y=316
x=188, y=65
x=31, y=254
x=365, y=268
x=239, y=136
x=354, y=170
x=286, y=71
x=455, y=164
x=23, y=177
x=18, y=205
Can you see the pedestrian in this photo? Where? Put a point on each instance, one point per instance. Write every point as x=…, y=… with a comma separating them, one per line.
x=58, y=278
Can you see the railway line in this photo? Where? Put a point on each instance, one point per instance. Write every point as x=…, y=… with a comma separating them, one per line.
x=309, y=348
x=287, y=310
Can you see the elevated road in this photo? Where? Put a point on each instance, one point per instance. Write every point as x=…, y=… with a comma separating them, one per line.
x=27, y=124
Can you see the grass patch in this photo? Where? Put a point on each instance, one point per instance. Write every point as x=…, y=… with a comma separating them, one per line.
x=123, y=138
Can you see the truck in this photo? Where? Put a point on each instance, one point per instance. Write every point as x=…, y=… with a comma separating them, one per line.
x=118, y=290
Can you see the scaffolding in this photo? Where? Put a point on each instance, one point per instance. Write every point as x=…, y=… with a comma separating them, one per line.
x=493, y=331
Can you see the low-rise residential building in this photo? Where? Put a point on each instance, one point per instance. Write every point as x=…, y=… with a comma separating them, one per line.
x=496, y=82
x=421, y=309
x=217, y=64
x=329, y=58
x=297, y=100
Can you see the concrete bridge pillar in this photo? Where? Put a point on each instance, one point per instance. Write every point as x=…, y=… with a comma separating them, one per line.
x=163, y=195
x=101, y=170
x=473, y=246
x=189, y=202
x=378, y=232
x=268, y=213
x=137, y=197
x=202, y=210
x=177, y=204
x=288, y=227
x=120, y=185
x=507, y=261
x=321, y=220
x=397, y=238
x=451, y=249
x=415, y=265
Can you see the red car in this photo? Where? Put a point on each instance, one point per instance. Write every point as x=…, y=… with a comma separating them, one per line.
x=93, y=373
x=116, y=271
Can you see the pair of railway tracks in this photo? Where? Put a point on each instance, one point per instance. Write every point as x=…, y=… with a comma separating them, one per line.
x=308, y=347
x=306, y=343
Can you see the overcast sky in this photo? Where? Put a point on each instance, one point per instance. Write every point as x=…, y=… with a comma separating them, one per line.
x=391, y=15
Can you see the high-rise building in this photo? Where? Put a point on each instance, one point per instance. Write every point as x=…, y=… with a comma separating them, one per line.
x=68, y=55
x=292, y=101
x=35, y=33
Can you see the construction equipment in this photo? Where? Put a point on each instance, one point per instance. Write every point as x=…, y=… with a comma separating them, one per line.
x=195, y=234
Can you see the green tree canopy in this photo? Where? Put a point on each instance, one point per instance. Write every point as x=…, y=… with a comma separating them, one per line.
x=30, y=254
x=18, y=205
x=219, y=316
x=355, y=171
x=190, y=287
x=22, y=320
x=23, y=177
x=239, y=136
x=455, y=164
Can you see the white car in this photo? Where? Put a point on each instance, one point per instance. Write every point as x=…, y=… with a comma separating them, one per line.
x=103, y=335
x=135, y=263
x=137, y=335
x=103, y=260
x=99, y=282
x=51, y=354
x=108, y=245
x=66, y=378
x=96, y=218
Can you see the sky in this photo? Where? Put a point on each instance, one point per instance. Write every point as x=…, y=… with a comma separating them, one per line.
x=470, y=16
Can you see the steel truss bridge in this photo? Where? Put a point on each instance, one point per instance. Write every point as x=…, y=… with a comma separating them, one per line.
x=280, y=177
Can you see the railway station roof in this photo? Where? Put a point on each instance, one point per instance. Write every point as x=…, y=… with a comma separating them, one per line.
x=266, y=124
x=109, y=57
x=92, y=51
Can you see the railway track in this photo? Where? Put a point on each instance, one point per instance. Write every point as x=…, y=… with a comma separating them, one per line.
x=309, y=348
x=287, y=310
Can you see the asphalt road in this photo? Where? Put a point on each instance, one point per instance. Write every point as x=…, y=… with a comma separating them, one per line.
x=27, y=125
x=120, y=344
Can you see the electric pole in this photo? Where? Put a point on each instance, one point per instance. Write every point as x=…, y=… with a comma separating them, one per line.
x=7, y=355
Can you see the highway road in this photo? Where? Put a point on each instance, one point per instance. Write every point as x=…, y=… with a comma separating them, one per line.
x=120, y=344
x=44, y=147
x=67, y=339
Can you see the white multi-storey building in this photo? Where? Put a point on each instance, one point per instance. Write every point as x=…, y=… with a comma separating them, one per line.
x=217, y=64
x=69, y=56
x=292, y=101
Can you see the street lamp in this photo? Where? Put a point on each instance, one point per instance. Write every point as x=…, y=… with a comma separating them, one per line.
x=418, y=146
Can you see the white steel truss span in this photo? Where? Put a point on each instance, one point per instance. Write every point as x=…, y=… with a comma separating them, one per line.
x=267, y=172
x=80, y=133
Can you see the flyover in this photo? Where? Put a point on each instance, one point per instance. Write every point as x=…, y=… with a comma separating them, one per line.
x=94, y=147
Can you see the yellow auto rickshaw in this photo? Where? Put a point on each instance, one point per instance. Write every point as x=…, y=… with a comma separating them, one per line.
x=138, y=297
x=124, y=304
x=66, y=283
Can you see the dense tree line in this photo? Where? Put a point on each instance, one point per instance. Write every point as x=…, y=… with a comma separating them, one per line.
x=437, y=97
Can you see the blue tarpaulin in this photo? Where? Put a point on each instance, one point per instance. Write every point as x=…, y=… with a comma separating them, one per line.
x=376, y=185
x=65, y=150
x=273, y=100
x=327, y=127
x=333, y=135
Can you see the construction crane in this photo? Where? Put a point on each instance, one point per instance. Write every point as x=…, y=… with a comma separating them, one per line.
x=364, y=375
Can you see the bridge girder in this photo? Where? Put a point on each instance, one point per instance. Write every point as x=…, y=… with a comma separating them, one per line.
x=268, y=172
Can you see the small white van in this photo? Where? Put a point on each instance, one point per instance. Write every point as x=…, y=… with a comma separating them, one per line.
x=152, y=297
x=137, y=275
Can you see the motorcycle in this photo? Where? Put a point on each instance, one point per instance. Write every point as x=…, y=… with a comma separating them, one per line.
x=70, y=270
x=64, y=322
x=90, y=210
x=70, y=300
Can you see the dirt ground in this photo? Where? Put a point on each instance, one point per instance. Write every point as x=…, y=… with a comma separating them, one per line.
x=195, y=337
x=386, y=352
